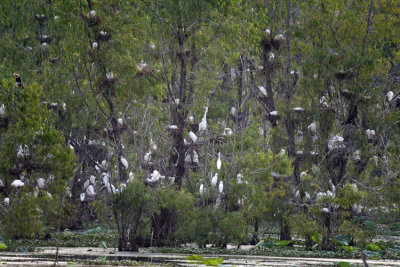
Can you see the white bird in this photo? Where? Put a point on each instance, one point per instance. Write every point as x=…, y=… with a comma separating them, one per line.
x=120, y=121
x=155, y=176
x=307, y=196
x=17, y=183
x=271, y=56
x=131, y=177
x=122, y=187
x=193, y=136
x=86, y=184
x=335, y=142
x=239, y=177
x=262, y=90
x=2, y=110
x=297, y=194
x=201, y=190
x=95, y=45
x=104, y=164
x=82, y=197
x=176, y=101
x=152, y=45
x=320, y=195
x=273, y=113
x=227, y=131
x=325, y=210
x=303, y=175
x=203, y=123
x=141, y=65
x=173, y=127
x=221, y=187
x=1, y=183
x=298, y=109
x=106, y=178
x=92, y=13
x=92, y=179
x=219, y=163
x=280, y=37
x=191, y=119
x=356, y=208
x=147, y=157
x=6, y=201
x=44, y=44
x=312, y=127
x=214, y=180
x=389, y=96
x=267, y=33
x=195, y=157
x=370, y=134
x=233, y=111
x=124, y=162
x=153, y=145
x=41, y=182
x=97, y=168
x=90, y=191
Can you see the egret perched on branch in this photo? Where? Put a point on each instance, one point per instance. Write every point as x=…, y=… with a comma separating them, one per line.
x=6, y=201
x=219, y=163
x=389, y=96
x=201, y=190
x=17, y=183
x=221, y=187
x=82, y=197
x=40, y=181
x=155, y=176
x=214, y=180
x=262, y=90
x=120, y=121
x=192, y=136
x=203, y=123
x=86, y=184
x=147, y=157
x=124, y=162
x=90, y=191
x=92, y=179
x=2, y=110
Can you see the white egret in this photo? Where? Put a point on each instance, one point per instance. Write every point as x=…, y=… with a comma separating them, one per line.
x=95, y=45
x=6, y=201
x=120, y=121
x=203, y=123
x=239, y=177
x=233, y=111
x=106, y=178
x=90, y=191
x=124, y=162
x=221, y=187
x=273, y=113
x=335, y=142
x=262, y=90
x=122, y=187
x=280, y=37
x=147, y=157
x=389, y=96
x=214, y=180
x=92, y=13
x=219, y=163
x=86, y=184
x=17, y=183
x=92, y=179
x=82, y=197
x=271, y=56
x=193, y=136
x=303, y=175
x=2, y=110
x=325, y=210
x=131, y=177
x=1, y=183
x=300, y=109
x=41, y=182
x=312, y=127
x=370, y=134
x=195, y=157
x=201, y=190
x=267, y=33
x=228, y=131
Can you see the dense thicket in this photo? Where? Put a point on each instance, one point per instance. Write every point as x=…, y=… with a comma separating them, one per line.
x=200, y=121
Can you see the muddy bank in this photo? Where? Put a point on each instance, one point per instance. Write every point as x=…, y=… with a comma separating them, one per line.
x=45, y=255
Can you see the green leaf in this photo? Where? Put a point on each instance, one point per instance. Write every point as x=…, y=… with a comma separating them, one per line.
x=22, y=249
x=373, y=247
x=93, y=231
x=195, y=257
x=315, y=246
x=342, y=263
x=342, y=239
x=213, y=261
x=370, y=253
x=259, y=244
x=350, y=248
x=103, y=245
x=3, y=246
